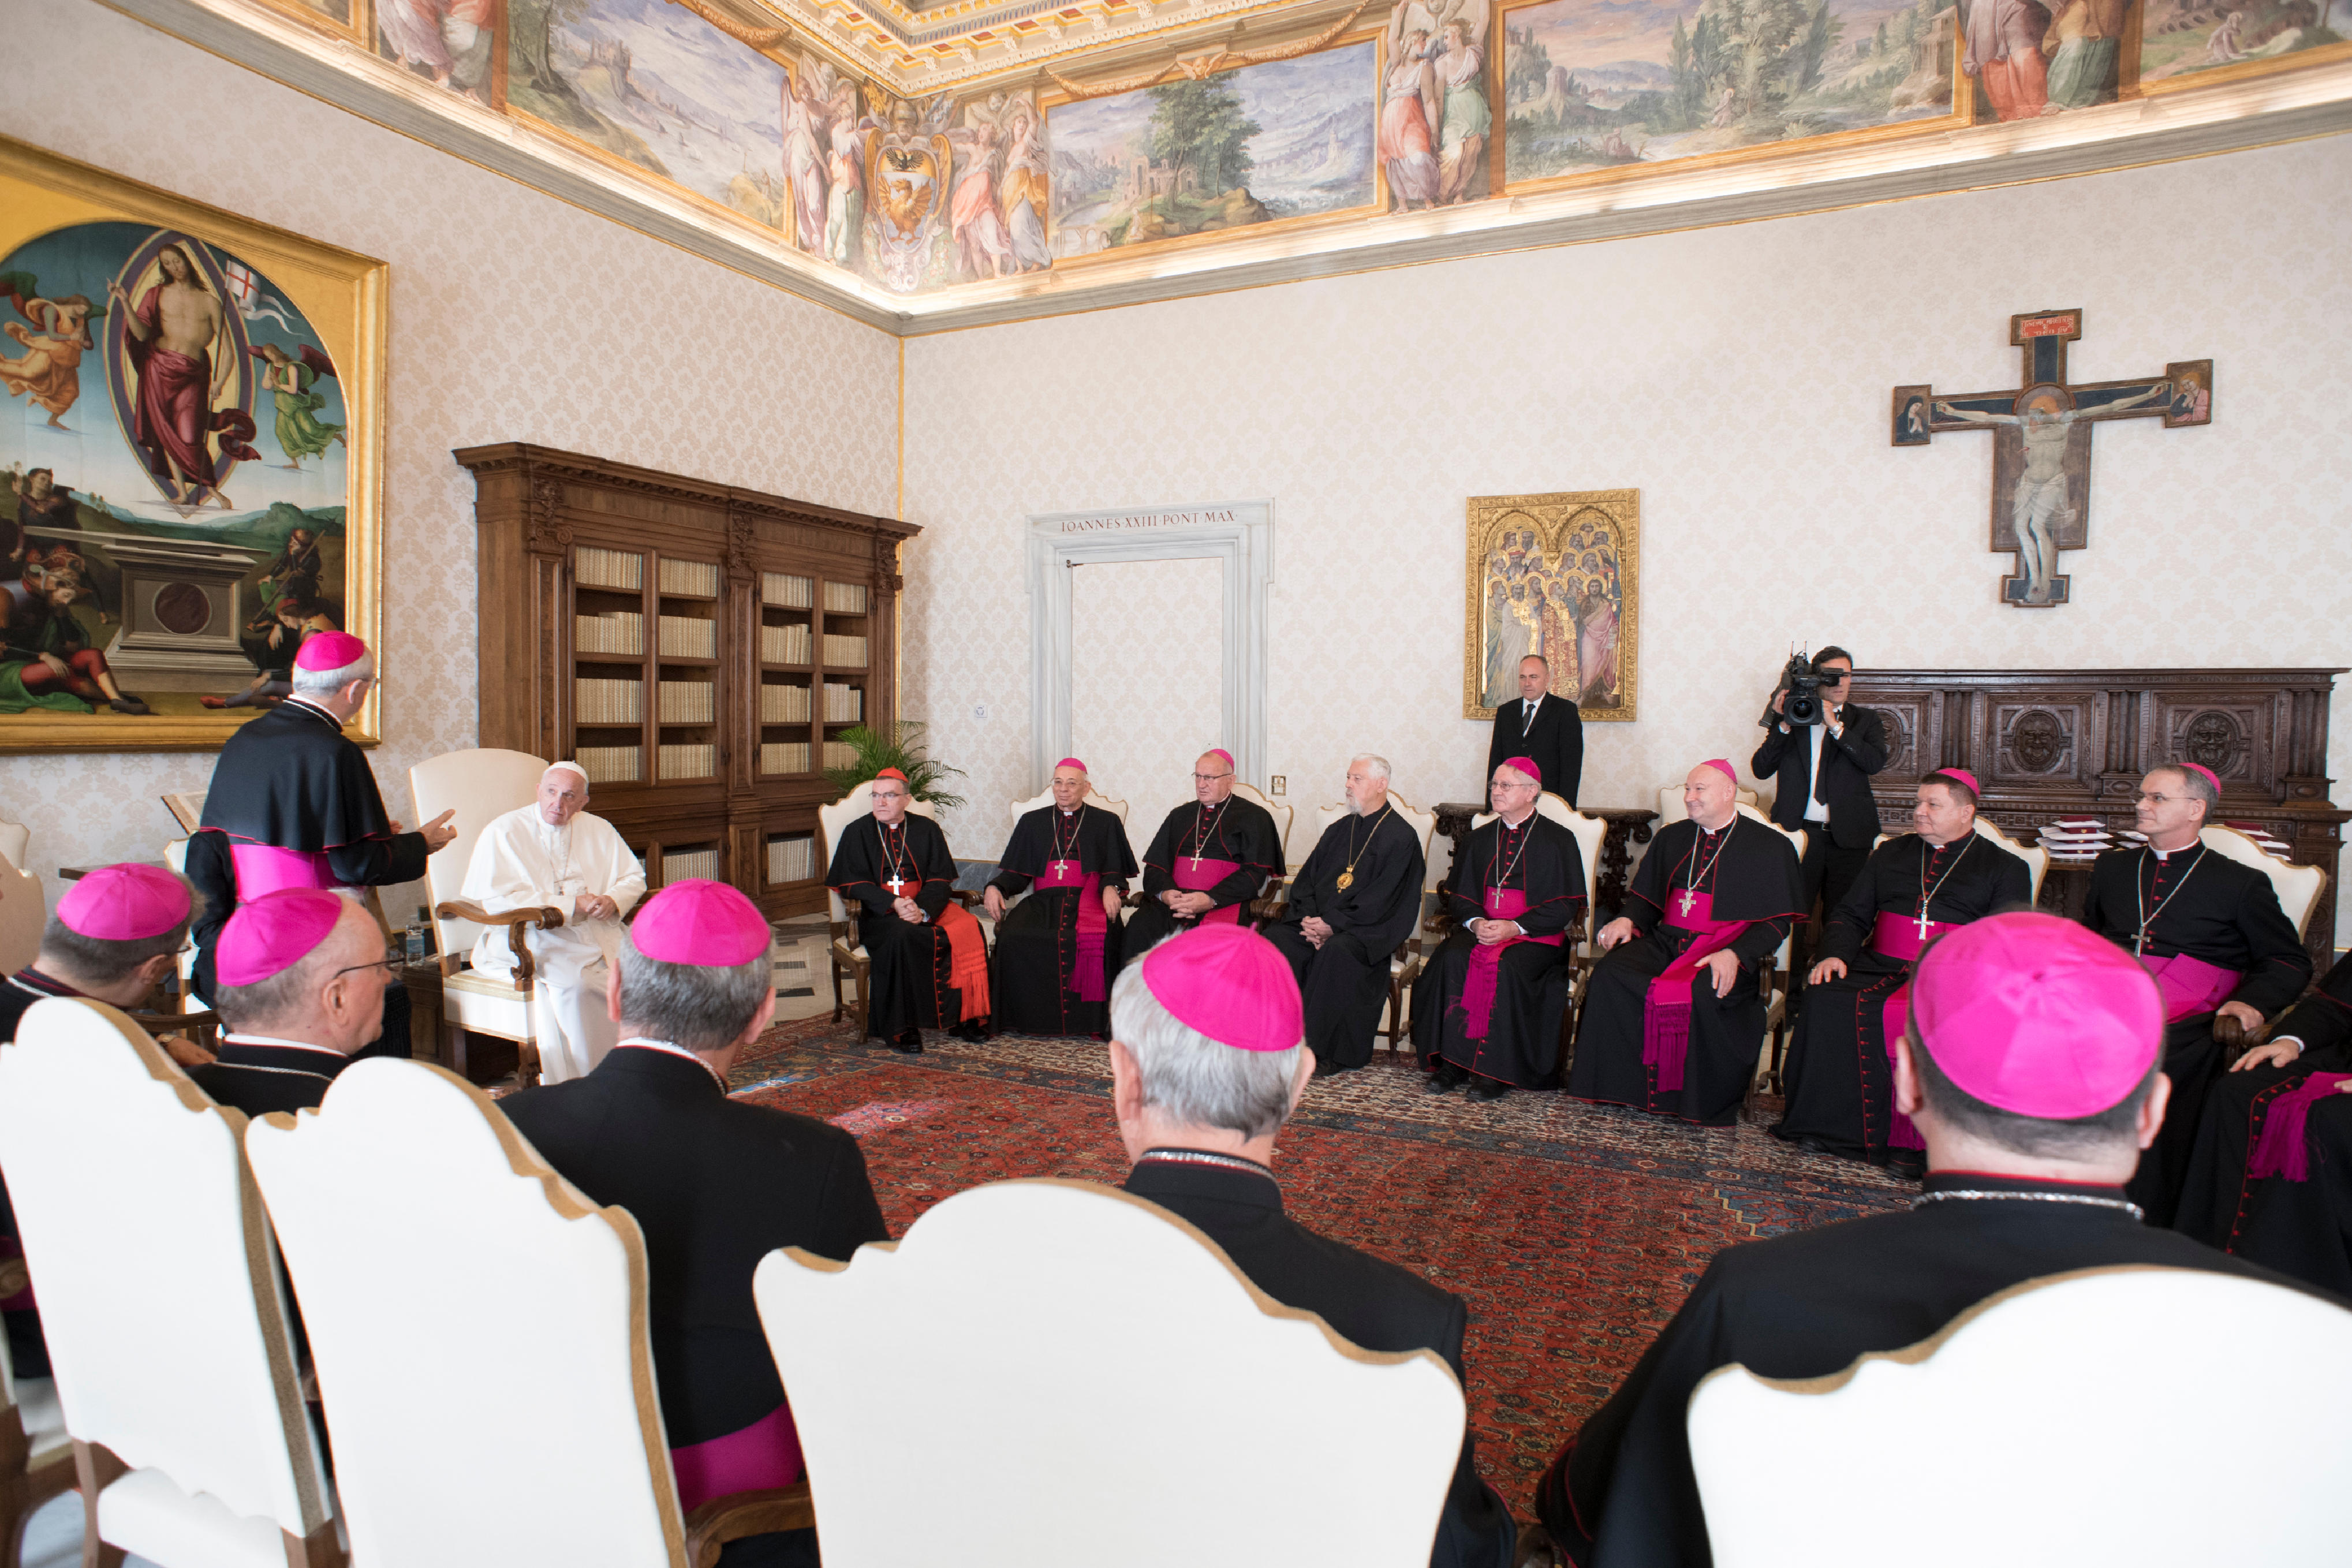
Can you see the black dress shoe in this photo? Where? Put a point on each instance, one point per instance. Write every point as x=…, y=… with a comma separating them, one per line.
x=909, y=1043
x=970, y=1029
x=1327, y=1070
x=1487, y=1090
x=1445, y=1078
x=1812, y=1145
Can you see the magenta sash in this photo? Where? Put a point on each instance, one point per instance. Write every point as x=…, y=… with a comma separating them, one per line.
x=2282, y=1149
x=2190, y=985
x=1199, y=876
x=262, y=869
x=764, y=1455
x=1897, y=936
x=1487, y=959
x=1092, y=924
x=1665, y=1020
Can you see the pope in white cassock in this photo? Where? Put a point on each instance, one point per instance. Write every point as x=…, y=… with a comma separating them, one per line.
x=553, y=853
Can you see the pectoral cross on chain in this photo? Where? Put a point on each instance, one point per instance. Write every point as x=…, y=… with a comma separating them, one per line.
x=1688, y=899
x=2042, y=443
x=1923, y=921
x=1061, y=867
x=897, y=885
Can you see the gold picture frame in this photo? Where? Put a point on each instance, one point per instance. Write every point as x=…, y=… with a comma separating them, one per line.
x=1581, y=551
x=280, y=285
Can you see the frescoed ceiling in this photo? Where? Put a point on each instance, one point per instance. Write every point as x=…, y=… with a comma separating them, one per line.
x=925, y=165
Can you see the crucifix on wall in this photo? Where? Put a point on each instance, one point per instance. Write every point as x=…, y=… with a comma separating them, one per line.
x=2042, y=443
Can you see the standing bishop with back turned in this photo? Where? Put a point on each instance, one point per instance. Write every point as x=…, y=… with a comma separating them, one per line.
x=1673, y=1013
x=1058, y=950
x=1208, y=860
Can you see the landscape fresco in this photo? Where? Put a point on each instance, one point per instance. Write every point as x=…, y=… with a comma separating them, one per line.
x=1286, y=139
x=654, y=84
x=2182, y=39
x=1599, y=84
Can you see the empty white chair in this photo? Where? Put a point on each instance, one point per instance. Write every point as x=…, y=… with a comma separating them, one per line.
x=24, y=913
x=2298, y=886
x=2041, y=1429
x=405, y=1191
x=160, y=1298
x=1073, y=1377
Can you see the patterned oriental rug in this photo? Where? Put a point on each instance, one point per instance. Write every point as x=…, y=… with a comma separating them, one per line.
x=1572, y=1230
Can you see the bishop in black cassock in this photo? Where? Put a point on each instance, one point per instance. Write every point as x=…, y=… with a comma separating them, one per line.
x=1058, y=950
x=1218, y=847
x=2211, y=932
x=927, y=958
x=1357, y=898
x=1840, y=1074
x=1489, y=1004
x=1621, y=1493
x=293, y=804
x=1664, y=1027
x=2271, y=1175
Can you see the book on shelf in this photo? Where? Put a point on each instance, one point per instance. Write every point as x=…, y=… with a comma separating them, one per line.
x=840, y=754
x=844, y=704
x=785, y=757
x=609, y=701
x=791, y=860
x=689, y=761
x=689, y=703
x=784, y=645
x=845, y=652
x=681, y=865
x=688, y=637
x=611, y=764
x=844, y=599
x=787, y=592
x=594, y=568
x=610, y=631
x=783, y=705
x=691, y=579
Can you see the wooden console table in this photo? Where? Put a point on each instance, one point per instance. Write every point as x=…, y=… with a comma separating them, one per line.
x=1628, y=826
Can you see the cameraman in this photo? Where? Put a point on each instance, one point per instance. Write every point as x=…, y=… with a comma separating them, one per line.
x=1824, y=771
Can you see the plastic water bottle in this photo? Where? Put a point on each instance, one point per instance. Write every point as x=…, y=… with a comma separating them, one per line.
x=416, y=930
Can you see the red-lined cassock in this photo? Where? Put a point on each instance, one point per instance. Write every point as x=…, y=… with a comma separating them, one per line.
x=1653, y=1033
x=1226, y=851
x=926, y=975
x=1840, y=1074
x=1493, y=1009
x=2210, y=929
x=1056, y=951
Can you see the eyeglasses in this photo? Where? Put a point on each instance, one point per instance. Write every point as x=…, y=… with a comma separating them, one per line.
x=392, y=963
x=1209, y=778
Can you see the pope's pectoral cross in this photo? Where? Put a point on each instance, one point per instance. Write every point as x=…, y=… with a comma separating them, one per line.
x=2041, y=444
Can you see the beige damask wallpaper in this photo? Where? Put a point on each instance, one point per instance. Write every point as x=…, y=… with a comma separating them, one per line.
x=1134, y=703
x=1739, y=377
x=514, y=317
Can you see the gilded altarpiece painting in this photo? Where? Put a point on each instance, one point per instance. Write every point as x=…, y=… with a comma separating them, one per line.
x=191, y=445
x=1556, y=576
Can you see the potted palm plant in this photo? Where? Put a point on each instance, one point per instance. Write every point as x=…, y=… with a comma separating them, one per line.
x=902, y=748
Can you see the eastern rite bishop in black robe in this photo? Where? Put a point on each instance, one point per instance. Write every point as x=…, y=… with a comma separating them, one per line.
x=293, y=804
x=1488, y=1006
x=1673, y=1013
x=1840, y=1074
x=1057, y=951
x=2271, y=1176
x=1354, y=901
x=2211, y=930
x=927, y=958
x=1212, y=858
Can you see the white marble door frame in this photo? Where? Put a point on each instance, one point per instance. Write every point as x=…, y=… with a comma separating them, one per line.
x=1240, y=534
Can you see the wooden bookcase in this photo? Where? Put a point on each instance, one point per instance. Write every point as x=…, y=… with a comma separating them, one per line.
x=696, y=646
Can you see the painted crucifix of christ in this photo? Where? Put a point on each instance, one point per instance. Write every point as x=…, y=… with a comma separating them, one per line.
x=2042, y=443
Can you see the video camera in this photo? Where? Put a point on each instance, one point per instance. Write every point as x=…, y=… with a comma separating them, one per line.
x=1803, y=684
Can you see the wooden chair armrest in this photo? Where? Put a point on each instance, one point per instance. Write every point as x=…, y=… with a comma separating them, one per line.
x=517, y=922
x=738, y=1514
x=2233, y=1038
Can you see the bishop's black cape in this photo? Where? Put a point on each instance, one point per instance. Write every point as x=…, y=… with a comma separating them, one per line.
x=259, y=1078
x=1345, y=981
x=1841, y=1086
x=1035, y=985
x=1520, y=1046
x=1240, y=831
x=2300, y=1228
x=2224, y=913
x=293, y=780
x=1752, y=876
x=1621, y=1492
x=908, y=985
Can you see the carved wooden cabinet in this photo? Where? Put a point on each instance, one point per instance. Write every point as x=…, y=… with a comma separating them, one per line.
x=2046, y=744
x=697, y=647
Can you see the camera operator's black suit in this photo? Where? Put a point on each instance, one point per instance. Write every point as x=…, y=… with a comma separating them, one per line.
x=1554, y=742
x=1832, y=859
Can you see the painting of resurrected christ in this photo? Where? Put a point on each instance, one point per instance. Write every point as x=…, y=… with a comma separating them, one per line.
x=1552, y=576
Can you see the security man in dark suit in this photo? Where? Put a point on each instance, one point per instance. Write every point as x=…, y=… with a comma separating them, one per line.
x=1545, y=729
x=1202, y=1141
x=714, y=1185
x=1823, y=773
